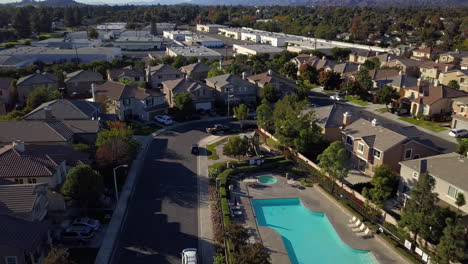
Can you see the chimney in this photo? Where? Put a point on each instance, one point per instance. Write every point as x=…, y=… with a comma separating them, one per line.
x=38, y=72
x=436, y=83
x=48, y=113
x=244, y=75
x=18, y=145
x=93, y=91
x=375, y=122
x=446, y=68
x=400, y=72
x=359, y=67
x=269, y=73
x=347, y=118
x=324, y=58
x=187, y=77
x=419, y=83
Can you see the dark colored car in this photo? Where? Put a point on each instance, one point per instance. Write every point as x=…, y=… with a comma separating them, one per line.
x=195, y=149
x=218, y=128
x=248, y=126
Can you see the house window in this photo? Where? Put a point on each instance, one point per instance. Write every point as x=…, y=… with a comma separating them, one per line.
x=20, y=181
x=377, y=153
x=11, y=260
x=462, y=80
x=453, y=192
x=415, y=174
x=360, y=148
x=177, y=76
x=462, y=109
x=126, y=101
x=408, y=153
x=149, y=101
x=32, y=180
x=349, y=140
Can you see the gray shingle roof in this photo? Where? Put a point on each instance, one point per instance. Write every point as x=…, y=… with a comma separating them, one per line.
x=225, y=79
x=83, y=76
x=164, y=69
x=22, y=234
x=196, y=67
x=34, y=131
x=37, y=78
x=18, y=199
x=63, y=109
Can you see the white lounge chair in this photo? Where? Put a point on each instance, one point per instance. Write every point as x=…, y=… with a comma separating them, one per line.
x=352, y=220
x=360, y=228
x=367, y=233
x=353, y=225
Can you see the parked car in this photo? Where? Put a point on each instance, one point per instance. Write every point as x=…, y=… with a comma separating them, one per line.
x=248, y=126
x=86, y=221
x=218, y=128
x=77, y=233
x=189, y=256
x=458, y=132
x=337, y=97
x=398, y=111
x=195, y=149
x=164, y=119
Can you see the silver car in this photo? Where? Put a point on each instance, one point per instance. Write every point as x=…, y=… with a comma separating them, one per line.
x=189, y=256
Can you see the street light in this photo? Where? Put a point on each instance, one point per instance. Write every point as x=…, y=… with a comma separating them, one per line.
x=115, y=181
x=228, y=90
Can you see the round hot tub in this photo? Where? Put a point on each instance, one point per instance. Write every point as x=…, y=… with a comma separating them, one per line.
x=267, y=179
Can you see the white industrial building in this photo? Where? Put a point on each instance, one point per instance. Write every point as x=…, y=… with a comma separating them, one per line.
x=54, y=55
x=67, y=43
x=161, y=27
x=201, y=40
x=136, y=33
x=103, y=35
x=211, y=28
x=276, y=39
x=138, y=43
x=115, y=28
x=193, y=51
x=251, y=36
x=255, y=49
x=178, y=35
x=234, y=33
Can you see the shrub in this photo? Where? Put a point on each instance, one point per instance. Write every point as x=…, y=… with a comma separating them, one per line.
x=82, y=147
x=213, y=173
x=307, y=182
x=225, y=211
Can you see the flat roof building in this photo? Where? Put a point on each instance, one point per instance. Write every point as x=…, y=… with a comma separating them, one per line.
x=211, y=28
x=276, y=39
x=255, y=49
x=194, y=51
x=201, y=40
x=234, y=33
x=138, y=43
x=178, y=35
x=161, y=27
x=67, y=43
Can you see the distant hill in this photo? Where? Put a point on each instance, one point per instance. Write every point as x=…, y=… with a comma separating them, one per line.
x=49, y=3
x=332, y=2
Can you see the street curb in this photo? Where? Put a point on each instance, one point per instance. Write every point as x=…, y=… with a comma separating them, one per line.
x=113, y=231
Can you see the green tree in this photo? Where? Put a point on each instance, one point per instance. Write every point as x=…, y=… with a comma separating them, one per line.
x=179, y=61
x=289, y=70
x=83, y=185
x=265, y=115
x=308, y=138
x=184, y=105
x=372, y=63
x=330, y=80
x=215, y=71
x=92, y=33
x=418, y=214
x=340, y=54
x=21, y=22
x=241, y=112
x=40, y=96
x=364, y=79
x=307, y=74
x=352, y=88
x=384, y=183
x=237, y=234
x=236, y=146
x=386, y=95
x=452, y=244
x=462, y=148
x=269, y=93
x=460, y=201
x=58, y=256
x=333, y=161
x=454, y=85
x=252, y=254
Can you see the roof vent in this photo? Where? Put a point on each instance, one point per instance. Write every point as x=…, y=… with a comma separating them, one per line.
x=375, y=122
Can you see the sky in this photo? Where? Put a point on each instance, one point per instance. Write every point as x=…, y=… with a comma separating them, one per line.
x=88, y=1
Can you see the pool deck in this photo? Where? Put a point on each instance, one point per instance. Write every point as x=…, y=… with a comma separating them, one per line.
x=314, y=198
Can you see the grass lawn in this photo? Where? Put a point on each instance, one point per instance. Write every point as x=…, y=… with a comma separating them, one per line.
x=83, y=255
x=143, y=130
x=330, y=91
x=424, y=124
x=381, y=110
x=212, y=153
x=356, y=100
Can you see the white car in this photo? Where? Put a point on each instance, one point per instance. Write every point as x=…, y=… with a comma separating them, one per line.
x=336, y=97
x=458, y=132
x=87, y=222
x=163, y=119
x=189, y=256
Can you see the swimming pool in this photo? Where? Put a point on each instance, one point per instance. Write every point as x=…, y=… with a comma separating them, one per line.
x=267, y=179
x=308, y=236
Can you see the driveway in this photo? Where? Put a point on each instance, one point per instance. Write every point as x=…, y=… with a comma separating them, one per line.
x=162, y=216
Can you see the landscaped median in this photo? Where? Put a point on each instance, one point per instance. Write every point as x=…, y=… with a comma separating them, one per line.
x=356, y=100
x=211, y=148
x=433, y=126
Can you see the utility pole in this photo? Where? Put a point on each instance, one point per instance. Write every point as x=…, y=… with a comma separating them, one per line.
x=228, y=90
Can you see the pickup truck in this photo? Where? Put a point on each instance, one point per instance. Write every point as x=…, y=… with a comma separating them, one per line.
x=218, y=128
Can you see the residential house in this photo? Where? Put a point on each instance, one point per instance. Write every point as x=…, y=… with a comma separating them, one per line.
x=302, y=58
x=129, y=102
x=316, y=62
x=330, y=119
x=160, y=73
x=369, y=144
x=430, y=71
x=346, y=68
x=464, y=63
x=202, y=95
x=65, y=109
x=25, y=85
x=128, y=73
x=78, y=83
x=407, y=66
x=31, y=164
x=460, y=113
x=447, y=170
x=239, y=90
x=453, y=57
x=360, y=57
x=7, y=94
x=407, y=86
x=426, y=53
x=435, y=99
x=377, y=74
x=197, y=71
x=460, y=76
x=24, y=201
x=284, y=85
x=50, y=132
x=21, y=241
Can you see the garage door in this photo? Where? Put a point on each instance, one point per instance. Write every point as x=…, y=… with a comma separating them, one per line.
x=205, y=106
x=460, y=124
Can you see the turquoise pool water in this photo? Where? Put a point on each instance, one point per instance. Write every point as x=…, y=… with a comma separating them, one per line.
x=308, y=236
x=267, y=179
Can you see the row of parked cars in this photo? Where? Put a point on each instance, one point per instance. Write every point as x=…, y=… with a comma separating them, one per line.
x=81, y=230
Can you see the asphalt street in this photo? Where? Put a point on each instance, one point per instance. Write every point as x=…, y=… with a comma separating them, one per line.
x=162, y=217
